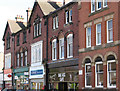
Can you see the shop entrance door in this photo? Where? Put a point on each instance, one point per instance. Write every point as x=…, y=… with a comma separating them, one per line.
x=62, y=86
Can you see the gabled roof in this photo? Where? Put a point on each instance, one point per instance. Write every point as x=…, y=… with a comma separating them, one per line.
x=14, y=26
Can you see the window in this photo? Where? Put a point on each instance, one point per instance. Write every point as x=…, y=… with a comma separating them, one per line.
x=54, y=49
x=99, y=74
x=24, y=37
x=68, y=14
x=104, y=3
x=88, y=37
x=25, y=60
x=37, y=29
x=21, y=58
x=36, y=53
x=17, y=60
x=111, y=73
x=99, y=4
x=18, y=40
x=70, y=46
x=61, y=48
x=88, y=75
x=109, y=31
x=92, y=6
x=55, y=22
x=8, y=61
x=98, y=34
x=8, y=41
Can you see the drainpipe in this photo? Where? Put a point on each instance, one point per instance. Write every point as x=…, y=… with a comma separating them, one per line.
x=46, y=65
x=13, y=62
x=3, y=87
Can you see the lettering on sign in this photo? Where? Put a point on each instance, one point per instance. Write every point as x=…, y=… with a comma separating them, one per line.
x=37, y=72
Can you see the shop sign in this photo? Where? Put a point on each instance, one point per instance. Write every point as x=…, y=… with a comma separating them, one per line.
x=16, y=77
x=26, y=73
x=7, y=78
x=37, y=72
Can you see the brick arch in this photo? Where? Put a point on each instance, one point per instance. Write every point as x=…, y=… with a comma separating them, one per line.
x=60, y=34
x=21, y=49
x=83, y=61
x=69, y=32
x=98, y=55
x=110, y=53
x=51, y=39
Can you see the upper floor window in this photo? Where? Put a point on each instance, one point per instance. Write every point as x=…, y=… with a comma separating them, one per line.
x=24, y=37
x=8, y=41
x=8, y=61
x=25, y=58
x=36, y=53
x=37, y=29
x=109, y=31
x=21, y=58
x=17, y=63
x=97, y=5
x=68, y=14
x=70, y=45
x=54, y=49
x=98, y=34
x=88, y=37
x=61, y=48
x=55, y=22
x=18, y=40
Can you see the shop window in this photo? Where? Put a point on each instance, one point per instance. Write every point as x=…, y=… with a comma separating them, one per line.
x=54, y=49
x=70, y=46
x=111, y=73
x=88, y=37
x=61, y=48
x=55, y=22
x=98, y=34
x=8, y=41
x=88, y=72
x=99, y=72
x=109, y=31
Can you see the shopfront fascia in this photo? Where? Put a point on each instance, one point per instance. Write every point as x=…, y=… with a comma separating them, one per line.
x=37, y=77
x=65, y=75
x=22, y=78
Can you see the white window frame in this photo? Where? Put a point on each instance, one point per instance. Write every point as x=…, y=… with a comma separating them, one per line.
x=107, y=31
x=60, y=50
x=97, y=4
x=7, y=56
x=97, y=34
x=104, y=4
x=85, y=75
x=96, y=74
x=87, y=38
x=68, y=55
x=54, y=57
x=54, y=24
x=70, y=15
x=21, y=61
x=25, y=58
x=56, y=21
x=40, y=28
x=92, y=6
x=108, y=85
x=66, y=17
x=18, y=60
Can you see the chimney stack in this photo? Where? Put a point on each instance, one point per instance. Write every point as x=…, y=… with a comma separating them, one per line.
x=19, y=18
x=28, y=13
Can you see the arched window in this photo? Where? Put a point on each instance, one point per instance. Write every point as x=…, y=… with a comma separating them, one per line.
x=8, y=41
x=111, y=71
x=99, y=72
x=70, y=46
x=88, y=72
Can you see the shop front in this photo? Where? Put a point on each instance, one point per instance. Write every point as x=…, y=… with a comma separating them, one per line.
x=37, y=77
x=63, y=78
x=21, y=76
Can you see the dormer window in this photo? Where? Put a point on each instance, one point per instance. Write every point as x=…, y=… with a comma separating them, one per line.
x=55, y=22
x=37, y=29
x=8, y=41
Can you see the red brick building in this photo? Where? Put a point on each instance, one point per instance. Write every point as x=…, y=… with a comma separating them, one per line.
x=99, y=45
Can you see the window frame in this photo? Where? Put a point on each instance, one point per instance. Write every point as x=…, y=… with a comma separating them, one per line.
x=85, y=75
x=18, y=60
x=108, y=30
x=18, y=39
x=68, y=55
x=70, y=16
x=97, y=34
x=60, y=49
x=97, y=5
x=21, y=59
x=108, y=84
x=55, y=56
x=104, y=6
x=96, y=73
x=87, y=46
x=92, y=6
x=25, y=58
x=7, y=56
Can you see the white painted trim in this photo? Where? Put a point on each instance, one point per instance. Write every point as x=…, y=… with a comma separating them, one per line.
x=103, y=4
x=97, y=5
x=97, y=36
x=60, y=48
x=92, y=7
x=87, y=38
x=55, y=40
